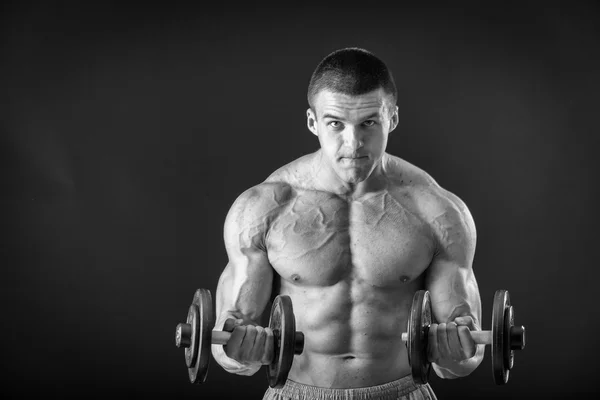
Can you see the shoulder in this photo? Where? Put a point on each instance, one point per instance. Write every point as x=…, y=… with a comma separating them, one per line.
x=402, y=173
x=259, y=201
x=450, y=219
x=267, y=199
x=251, y=214
x=440, y=208
x=296, y=174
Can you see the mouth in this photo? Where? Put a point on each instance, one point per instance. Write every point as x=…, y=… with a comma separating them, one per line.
x=354, y=158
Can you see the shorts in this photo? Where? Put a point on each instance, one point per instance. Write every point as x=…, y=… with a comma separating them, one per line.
x=403, y=388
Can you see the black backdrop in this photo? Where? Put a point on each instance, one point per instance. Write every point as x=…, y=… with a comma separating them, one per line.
x=128, y=131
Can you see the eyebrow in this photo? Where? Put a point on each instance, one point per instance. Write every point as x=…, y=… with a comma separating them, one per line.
x=331, y=116
x=370, y=116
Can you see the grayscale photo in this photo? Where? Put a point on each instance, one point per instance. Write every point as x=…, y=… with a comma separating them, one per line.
x=303, y=201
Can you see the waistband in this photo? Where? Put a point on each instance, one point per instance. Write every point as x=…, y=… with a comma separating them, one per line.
x=392, y=390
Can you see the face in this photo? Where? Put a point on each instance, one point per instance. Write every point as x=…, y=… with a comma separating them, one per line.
x=353, y=131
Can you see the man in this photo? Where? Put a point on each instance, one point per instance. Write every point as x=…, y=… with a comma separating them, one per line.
x=350, y=233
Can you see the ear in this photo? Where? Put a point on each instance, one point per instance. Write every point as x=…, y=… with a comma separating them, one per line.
x=394, y=119
x=311, y=121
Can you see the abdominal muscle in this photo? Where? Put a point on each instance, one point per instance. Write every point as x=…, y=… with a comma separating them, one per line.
x=352, y=332
x=351, y=270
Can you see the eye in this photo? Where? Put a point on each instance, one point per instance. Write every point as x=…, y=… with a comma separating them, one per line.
x=369, y=123
x=335, y=124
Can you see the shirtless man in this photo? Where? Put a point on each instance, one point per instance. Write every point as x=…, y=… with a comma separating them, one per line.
x=349, y=232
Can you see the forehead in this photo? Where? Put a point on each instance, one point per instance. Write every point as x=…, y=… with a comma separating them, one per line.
x=344, y=105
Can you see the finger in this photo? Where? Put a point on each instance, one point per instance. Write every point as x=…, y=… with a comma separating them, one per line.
x=269, y=352
x=259, y=344
x=456, y=351
x=442, y=342
x=247, y=347
x=432, y=347
x=231, y=323
x=233, y=346
x=466, y=341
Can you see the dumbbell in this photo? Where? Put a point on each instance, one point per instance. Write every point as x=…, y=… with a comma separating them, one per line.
x=504, y=337
x=196, y=335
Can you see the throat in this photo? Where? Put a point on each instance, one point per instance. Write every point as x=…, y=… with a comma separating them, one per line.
x=346, y=184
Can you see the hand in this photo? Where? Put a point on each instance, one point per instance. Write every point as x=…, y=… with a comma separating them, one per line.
x=249, y=343
x=450, y=343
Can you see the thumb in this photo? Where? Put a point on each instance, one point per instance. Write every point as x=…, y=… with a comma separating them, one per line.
x=465, y=321
x=231, y=323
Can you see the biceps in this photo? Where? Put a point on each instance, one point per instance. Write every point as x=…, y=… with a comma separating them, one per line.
x=454, y=291
x=244, y=287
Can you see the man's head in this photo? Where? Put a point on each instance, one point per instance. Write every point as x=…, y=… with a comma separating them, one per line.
x=352, y=71
x=352, y=97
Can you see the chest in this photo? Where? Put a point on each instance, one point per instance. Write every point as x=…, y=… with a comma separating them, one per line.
x=319, y=240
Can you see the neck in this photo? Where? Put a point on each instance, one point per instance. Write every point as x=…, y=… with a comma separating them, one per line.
x=328, y=180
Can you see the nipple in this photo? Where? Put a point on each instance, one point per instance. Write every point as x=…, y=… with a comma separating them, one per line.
x=295, y=277
x=404, y=279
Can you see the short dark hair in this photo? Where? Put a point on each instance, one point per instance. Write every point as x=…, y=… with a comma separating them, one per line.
x=351, y=71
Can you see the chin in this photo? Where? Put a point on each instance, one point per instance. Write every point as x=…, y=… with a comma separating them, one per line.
x=355, y=178
x=354, y=181
x=356, y=175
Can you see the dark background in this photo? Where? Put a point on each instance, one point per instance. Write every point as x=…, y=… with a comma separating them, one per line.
x=128, y=131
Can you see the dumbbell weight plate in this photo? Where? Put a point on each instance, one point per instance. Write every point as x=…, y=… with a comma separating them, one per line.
x=505, y=336
x=203, y=323
x=191, y=352
x=502, y=321
x=283, y=324
x=418, y=330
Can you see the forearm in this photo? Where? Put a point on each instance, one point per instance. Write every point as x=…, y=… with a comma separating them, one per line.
x=460, y=368
x=245, y=311
x=230, y=365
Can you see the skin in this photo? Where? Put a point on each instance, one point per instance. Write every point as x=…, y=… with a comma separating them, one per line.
x=350, y=233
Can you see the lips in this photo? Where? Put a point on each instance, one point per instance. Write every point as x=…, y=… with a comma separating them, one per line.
x=353, y=157
x=354, y=160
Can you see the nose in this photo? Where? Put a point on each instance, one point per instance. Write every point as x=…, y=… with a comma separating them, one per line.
x=352, y=138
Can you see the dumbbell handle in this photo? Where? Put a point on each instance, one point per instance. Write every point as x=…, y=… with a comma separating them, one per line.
x=220, y=337
x=183, y=337
x=479, y=337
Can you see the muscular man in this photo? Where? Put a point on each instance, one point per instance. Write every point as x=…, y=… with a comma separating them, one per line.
x=350, y=232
